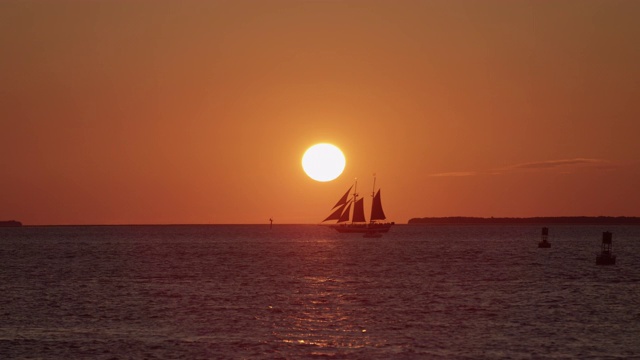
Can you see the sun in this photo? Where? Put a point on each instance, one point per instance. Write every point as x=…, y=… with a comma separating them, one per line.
x=323, y=162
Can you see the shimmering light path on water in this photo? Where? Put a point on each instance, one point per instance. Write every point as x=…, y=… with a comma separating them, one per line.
x=307, y=291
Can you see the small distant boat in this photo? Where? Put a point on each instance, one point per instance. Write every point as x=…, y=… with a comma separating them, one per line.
x=342, y=214
x=606, y=257
x=544, y=243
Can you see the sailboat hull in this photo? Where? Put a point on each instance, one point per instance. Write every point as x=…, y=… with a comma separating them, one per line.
x=362, y=228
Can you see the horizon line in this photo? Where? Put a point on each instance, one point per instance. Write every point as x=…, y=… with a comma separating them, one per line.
x=321, y=224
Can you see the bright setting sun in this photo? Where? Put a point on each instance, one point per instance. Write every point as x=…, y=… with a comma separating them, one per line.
x=323, y=162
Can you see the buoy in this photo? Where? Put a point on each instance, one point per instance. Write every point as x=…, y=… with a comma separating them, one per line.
x=606, y=257
x=544, y=243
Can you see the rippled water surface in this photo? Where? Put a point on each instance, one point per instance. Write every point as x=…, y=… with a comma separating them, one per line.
x=305, y=291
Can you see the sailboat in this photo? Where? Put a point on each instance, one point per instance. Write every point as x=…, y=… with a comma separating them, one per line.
x=355, y=222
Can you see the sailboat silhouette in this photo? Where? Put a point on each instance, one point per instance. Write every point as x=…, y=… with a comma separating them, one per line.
x=358, y=224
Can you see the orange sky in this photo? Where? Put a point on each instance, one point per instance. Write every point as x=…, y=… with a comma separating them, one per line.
x=124, y=112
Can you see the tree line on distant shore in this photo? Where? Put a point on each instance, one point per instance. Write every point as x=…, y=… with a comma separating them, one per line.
x=591, y=220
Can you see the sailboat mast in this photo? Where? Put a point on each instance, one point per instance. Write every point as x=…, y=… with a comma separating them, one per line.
x=355, y=197
x=373, y=194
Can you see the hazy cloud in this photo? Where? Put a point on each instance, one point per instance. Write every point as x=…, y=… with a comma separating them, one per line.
x=558, y=163
x=566, y=165
x=459, y=173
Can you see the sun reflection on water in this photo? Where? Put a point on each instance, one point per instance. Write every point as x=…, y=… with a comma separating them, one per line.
x=325, y=316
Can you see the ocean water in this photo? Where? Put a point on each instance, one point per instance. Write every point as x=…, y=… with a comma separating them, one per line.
x=306, y=291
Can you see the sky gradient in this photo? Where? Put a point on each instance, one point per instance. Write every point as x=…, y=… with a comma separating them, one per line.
x=156, y=112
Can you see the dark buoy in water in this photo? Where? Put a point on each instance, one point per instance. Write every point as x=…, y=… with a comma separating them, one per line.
x=270, y=223
x=544, y=243
x=606, y=257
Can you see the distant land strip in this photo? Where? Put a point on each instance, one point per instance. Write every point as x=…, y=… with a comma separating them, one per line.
x=10, y=223
x=587, y=220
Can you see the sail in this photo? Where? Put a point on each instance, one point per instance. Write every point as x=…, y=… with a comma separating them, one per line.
x=345, y=214
x=376, y=208
x=336, y=214
x=358, y=211
x=343, y=200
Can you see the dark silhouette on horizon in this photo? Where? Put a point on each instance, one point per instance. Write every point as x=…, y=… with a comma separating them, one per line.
x=592, y=220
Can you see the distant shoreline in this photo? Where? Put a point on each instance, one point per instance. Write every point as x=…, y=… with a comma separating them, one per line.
x=569, y=220
x=449, y=220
